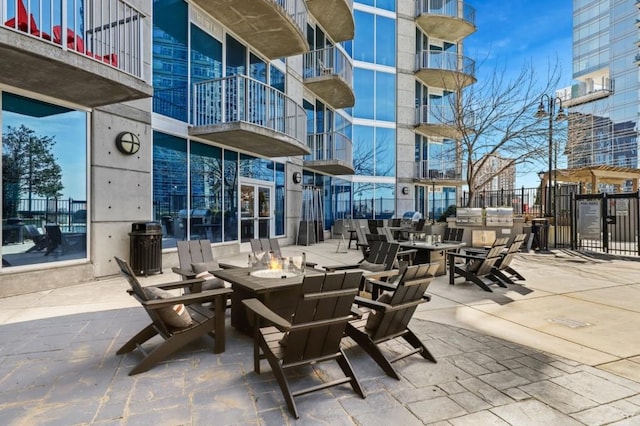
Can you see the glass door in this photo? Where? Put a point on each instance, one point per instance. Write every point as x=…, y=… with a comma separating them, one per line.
x=256, y=207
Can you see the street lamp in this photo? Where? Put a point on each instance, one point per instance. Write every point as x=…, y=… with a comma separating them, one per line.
x=433, y=201
x=550, y=111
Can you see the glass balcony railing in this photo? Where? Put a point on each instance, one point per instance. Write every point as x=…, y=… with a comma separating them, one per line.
x=435, y=114
x=108, y=31
x=446, y=61
x=242, y=99
x=330, y=146
x=426, y=170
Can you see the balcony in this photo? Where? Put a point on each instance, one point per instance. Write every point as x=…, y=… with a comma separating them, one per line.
x=275, y=28
x=335, y=17
x=437, y=120
x=586, y=91
x=329, y=74
x=447, y=70
x=450, y=20
x=248, y=115
x=91, y=58
x=425, y=172
x=331, y=153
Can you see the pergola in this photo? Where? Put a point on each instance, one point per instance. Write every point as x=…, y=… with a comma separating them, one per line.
x=593, y=176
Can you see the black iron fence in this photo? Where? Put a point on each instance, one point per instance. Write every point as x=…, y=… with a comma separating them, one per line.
x=523, y=201
x=38, y=211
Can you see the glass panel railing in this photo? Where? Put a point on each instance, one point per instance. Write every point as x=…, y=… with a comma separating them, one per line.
x=454, y=8
x=447, y=61
x=328, y=61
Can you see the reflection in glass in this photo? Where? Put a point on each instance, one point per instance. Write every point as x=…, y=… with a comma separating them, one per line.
x=44, y=175
x=230, y=196
x=206, y=192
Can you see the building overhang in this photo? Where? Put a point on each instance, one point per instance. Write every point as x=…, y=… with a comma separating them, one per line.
x=445, y=27
x=448, y=80
x=438, y=130
x=262, y=24
x=251, y=138
x=332, y=89
x=330, y=167
x=335, y=16
x=37, y=66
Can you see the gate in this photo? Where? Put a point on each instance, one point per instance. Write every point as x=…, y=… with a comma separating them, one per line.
x=606, y=223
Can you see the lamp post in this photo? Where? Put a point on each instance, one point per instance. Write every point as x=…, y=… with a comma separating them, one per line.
x=550, y=112
x=433, y=202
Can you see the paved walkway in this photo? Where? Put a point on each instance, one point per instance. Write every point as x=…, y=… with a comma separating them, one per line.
x=562, y=350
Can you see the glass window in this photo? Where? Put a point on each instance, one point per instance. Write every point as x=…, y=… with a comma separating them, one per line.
x=170, y=90
x=277, y=79
x=385, y=201
x=44, y=175
x=206, y=56
x=385, y=41
x=363, y=46
x=363, y=200
x=170, y=186
x=236, y=57
x=256, y=168
x=363, y=82
x=206, y=192
x=363, y=153
x=385, y=103
x=385, y=152
x=386, y=4
x=280, y=199
x=230, y=196
x=257, y=68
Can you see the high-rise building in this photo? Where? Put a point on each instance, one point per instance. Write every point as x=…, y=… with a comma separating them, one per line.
x=603, y=103
x=217, y=121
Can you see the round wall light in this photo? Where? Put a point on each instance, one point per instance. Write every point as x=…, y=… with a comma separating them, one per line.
x=128, y=143
x=297, y=177
x=405, y=190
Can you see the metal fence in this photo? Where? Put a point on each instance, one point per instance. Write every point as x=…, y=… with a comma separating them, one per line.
x=523, y=200
x=37, y=211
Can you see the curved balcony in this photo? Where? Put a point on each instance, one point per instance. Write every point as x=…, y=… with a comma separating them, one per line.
x=89, y=66
x=329, y=74
x=447, y=70
x=437, y=120
x=246, y=114
x=446, y=19
x=275, y=28
x=331, y=153
x=335, y=16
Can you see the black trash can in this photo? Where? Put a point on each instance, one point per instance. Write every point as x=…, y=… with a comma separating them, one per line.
x=145, y=256
x=540, y=228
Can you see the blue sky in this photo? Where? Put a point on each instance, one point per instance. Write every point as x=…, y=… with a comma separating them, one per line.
x=517, y=31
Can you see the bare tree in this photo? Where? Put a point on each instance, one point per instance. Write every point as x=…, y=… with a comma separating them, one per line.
x=496, y=116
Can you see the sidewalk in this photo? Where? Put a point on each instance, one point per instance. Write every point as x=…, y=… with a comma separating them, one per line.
x=565, y=351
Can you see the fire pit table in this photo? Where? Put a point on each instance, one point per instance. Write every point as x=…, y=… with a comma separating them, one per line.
x=278, y=289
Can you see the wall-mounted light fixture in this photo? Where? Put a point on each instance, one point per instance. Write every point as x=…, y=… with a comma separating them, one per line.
x=405, y=190
x=297, y=177
x=128, y=143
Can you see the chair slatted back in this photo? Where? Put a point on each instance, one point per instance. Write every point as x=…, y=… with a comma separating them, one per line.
x=321, y=315
x=405, y=299
x=265, y=245
x=383, y=252
x=194, y=251
x=386, y=232
x=419, y=225
x=256, y=246
x=493, y=255
x=514, y=248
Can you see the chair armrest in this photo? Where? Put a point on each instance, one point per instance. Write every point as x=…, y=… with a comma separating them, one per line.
x=260, y=309
x=381, y=284
x=371, y=304
x=178, y=284
x=333, y=268
x=408, y=251
x=188, y=299
x=186, y=273
x=380, y=274
x=228, y=266
x=465, y=256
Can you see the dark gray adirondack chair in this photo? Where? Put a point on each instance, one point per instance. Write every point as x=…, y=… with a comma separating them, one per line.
x=205, y=320
x=390, y=315
x=503, y=271
x=478, y=267
x=313, y=334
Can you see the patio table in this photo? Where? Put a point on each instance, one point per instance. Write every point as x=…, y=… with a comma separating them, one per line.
x=432, y=253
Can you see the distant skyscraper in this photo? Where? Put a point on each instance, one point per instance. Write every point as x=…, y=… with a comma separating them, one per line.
x=603, y=104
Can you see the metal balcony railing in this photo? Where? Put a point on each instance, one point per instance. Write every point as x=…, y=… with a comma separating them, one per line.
x=297, y=10
x=242, y=99
x=109, y=31
x=328, y=61
x=453, y=8
x=435, y=114
x=447, y=61
x=426, y=170
x=330, y=146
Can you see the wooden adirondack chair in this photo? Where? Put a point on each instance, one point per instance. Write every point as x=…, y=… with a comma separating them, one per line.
x=198, y=254
x=390, y=315
x=478, y=268
x=313, y=334
x=265, y=245
x=503, y=271
x=177, y=330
